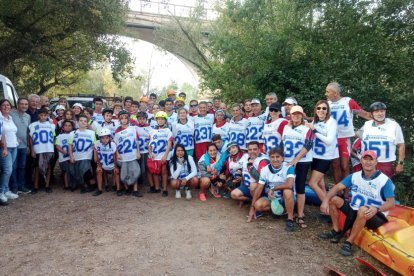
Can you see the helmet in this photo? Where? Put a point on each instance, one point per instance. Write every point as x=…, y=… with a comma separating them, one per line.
x=170, y=92
x=123, y=112
x=276, y=207
x=59, y=107
x=231, y=144
x=107, y=110
x=377, y=106
x=161, y=114
x=78, y=105
x=143, y=99
x=104, y=132
x=142, y=114
x=179, y=99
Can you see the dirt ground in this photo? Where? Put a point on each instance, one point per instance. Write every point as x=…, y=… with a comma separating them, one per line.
x=67, y=233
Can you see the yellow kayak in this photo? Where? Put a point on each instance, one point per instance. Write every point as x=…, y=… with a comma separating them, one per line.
x=393, y=243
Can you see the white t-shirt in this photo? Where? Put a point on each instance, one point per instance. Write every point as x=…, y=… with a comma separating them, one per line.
x=172, y=119
x=43, y=135
x=106, y=154
x=143, y=138
x=223, y=131
x=10, y=131
x=62, y=140
x=159, y=141
x=112, y=126
x=342, y=111
x=254, y=131
x=182, y=172
x=271, y=134
x=82, y=144
x=98, y=118
x=126, y=140
x=237, y=132
x=326, y=142
x=382, y=139
x=293, y=142
x=203, y=128
x=272, y=177
x=184, y=134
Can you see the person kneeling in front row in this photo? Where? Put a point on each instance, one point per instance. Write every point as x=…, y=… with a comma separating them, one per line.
x=372, y=196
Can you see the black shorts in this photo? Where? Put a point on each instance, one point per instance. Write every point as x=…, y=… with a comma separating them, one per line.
x=375, y=222
x=320, y=165
x=301, y=171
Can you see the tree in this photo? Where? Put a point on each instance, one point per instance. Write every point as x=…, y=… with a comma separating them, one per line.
x=52, y=43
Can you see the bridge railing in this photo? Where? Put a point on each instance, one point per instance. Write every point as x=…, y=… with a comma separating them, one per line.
x=165, y=8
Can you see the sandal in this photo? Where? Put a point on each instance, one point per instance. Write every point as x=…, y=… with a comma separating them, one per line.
x=301, y=222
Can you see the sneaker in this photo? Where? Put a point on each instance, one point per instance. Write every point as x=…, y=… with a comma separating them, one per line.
x=333, y=236
x=164, y=193
x=214, y=192
x=23, y=190
x=136, y=194
x=128, y=192
x=151, y=190
x=259, y=214
x=3, y=198
x=97, y=193
x=202, y=196
x=11, y=195
x=34, y=191
x=3, y=203
x=290, y=225
x=120, y=193
x=48, y=190
x=107, y=188
x=188, y=194
x=177, y=194
x=346, y=249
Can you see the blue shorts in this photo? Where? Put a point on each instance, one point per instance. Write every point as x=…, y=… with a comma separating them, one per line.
x=246, y=191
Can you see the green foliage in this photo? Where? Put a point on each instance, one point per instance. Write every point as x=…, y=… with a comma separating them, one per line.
x=404, y=185
x=294, y=48
x=52, y=43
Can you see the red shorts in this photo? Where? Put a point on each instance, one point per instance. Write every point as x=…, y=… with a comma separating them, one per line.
x=386, y=168
x=344, y=147
x=200, y=149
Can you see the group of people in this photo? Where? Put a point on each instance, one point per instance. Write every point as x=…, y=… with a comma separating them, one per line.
x=264, y=157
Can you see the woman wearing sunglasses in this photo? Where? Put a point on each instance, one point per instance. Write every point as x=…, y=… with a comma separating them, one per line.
x=273, y=129
x=325, y=129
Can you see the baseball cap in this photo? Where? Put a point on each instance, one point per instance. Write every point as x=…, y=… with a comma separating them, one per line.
x=78, y=105
x=179, y=99
x=291, y=101
x=370, y=153
x=60, y=107
x=296, y=108
x=171, y=92
x=277, y=106
x=143, y=99
x=255, y=101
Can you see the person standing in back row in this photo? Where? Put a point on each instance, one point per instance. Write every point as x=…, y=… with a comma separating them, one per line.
x=343, y=110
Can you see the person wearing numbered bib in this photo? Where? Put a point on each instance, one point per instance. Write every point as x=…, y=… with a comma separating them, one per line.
x=128, y=154
x=297, y=142
x=169, y=109
x=183, y=172
x=97, y=115
x=237, y=127
x=343, y=110
x=324, y=128
x=144, y=130
x=203, y=127
x=255, y=124
x=160, y=144
x=62, y=146
x=105, y=157
x=221, y=126
x=80, y=154
x=385, y=137
x=209, y=174
x=42, y=135
x=276, y=183
x=252, y=164
x=183, y=131
x=372, y=197
x=108, y=122
x=193, y=108
x=273, y=129
x=233, y=174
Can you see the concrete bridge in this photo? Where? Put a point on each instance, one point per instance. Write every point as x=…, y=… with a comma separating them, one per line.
x=145, y=16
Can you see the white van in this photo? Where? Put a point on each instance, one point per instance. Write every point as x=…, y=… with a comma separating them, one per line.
x=7, y=90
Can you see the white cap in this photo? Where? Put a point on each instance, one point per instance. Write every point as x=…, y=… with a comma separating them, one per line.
x=255, y=101
x=61, y=107
x=78, y=105
x=291, y=101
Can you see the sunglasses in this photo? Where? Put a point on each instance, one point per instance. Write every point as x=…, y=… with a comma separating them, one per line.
x=273, y=110
x=193, y=105
x=323, y=108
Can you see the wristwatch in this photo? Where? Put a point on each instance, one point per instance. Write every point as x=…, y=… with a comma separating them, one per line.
x=400, y=162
